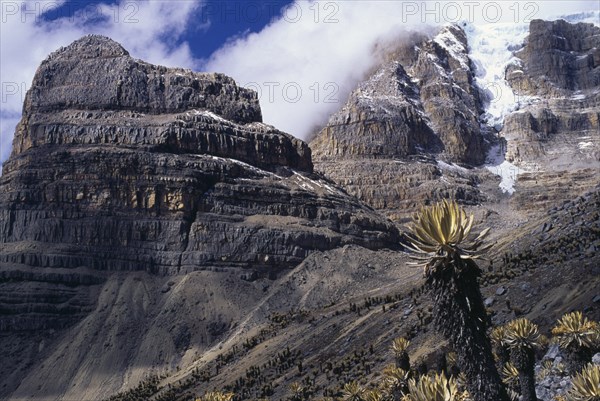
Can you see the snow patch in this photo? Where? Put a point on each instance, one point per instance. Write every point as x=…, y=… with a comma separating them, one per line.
x=453, y=167
x=210, y=114
x=454, y=47
x=585, y=145
x=310, y=184
x=491, y=49
x=508, y=172
x=255, y=169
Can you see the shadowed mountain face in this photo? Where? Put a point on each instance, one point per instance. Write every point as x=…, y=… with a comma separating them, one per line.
x=122, y=166
x=151, y=224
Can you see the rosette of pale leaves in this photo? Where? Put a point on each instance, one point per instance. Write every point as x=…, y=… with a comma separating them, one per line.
x=374, y=395
x=439, y=232
x=394, y=380
x=522, y=333
x=400, y=345
x=586, y=385
x=296, y=389
x=217, y=396
x=498, y=336
x=510, y=374
x=573, y=329
x=434, y=388
x=353, y=392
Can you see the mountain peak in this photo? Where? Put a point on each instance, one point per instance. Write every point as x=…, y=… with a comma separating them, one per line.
x=97, y=73
x=90, y=47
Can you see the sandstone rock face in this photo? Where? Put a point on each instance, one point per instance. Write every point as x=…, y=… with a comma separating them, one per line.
x=397, y=140
x=119, y=165
x=98, y=74
x=555, y=134
x=383, y=144
x=92, y=92
x=557, y=75
x=558, y=57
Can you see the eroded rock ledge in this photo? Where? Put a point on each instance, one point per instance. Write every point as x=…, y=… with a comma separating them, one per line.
x=120, y=165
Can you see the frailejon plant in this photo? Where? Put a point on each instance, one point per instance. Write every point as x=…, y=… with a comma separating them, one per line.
x=395, y=382
x=217, y=396
x=298, y=392
x=510, y=377
x=497, y=336
x=586, y=385
x=399, y=348
x=522, y=338
x=374, y=395
x=434, y=388
x=577, y=336
x=439, y=241
x=353, y=392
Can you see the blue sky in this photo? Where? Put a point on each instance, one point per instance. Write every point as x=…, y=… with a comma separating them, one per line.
x=303, y=57
x=215, y=22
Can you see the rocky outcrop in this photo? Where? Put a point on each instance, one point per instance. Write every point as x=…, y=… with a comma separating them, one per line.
x=382, y=145
x=98, y=74
x=383, y=118
x=428, y=106
x=119, y=165
x=556, y=76
x=405, y=133
x=554, y=136
x=449, y=95
x=558, y=56
x=92, y=92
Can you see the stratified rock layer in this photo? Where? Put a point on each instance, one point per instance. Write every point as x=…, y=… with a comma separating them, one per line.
x=557, y=75
x=419, y=105
x=119, y=165
x=555, y=135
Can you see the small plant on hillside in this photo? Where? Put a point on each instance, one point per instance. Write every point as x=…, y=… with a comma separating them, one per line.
x=522, y=338
x=353, y=392
x=216, y=396
x=586, y=385
x=577, y=336
x=374, y=395
x=498, y=337
x=439, y=238
x=510, y=375
x=395, y=382
x=434, y=388
x=399, y=348
x=298, y=392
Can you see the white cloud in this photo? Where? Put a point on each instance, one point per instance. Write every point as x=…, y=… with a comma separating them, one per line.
x=306, y=62
x=149, y=30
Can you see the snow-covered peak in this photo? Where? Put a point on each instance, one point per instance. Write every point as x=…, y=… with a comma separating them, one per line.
x=447, y=39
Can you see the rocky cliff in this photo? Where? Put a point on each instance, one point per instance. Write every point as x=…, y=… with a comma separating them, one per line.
x=408, y=131
x=121, y=166
x=555, y=134
x=383, y=144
